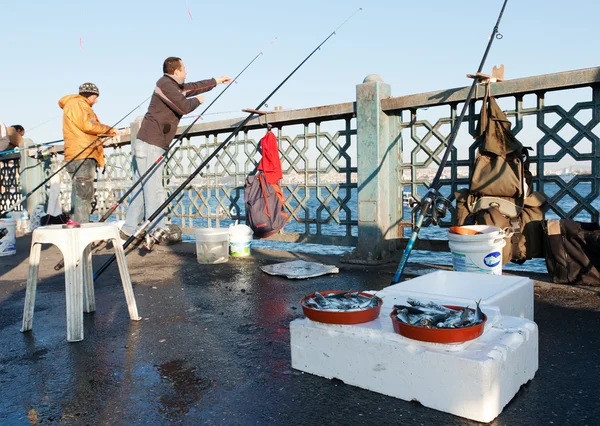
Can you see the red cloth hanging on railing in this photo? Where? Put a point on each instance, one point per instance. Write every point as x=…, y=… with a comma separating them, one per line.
x=270, y=164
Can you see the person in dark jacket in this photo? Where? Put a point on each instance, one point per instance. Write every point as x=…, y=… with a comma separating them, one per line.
x=172, y=99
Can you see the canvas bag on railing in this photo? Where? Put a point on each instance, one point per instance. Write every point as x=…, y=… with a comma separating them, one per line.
x=265, y=206
x=572, y=251
x=500, y=188
x=501, y=167
x=522, y=222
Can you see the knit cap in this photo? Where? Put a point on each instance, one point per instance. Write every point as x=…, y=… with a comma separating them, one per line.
x=89, y=89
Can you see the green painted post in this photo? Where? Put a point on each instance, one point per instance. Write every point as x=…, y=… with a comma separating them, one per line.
x=377, y=159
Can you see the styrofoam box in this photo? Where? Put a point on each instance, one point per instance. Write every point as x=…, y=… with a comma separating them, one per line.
x=513, y=296
x=474, y=380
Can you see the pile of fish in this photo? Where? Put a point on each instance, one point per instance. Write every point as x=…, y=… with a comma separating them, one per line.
x=341, y=302
x=432, y=315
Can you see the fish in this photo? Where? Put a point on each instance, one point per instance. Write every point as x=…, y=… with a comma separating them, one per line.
x=432, y=315
x=464, y=314
x=403, y=316
x=409, y=309
x=320, y=299
x=341, y=301
x=311, y=303
x=478, y=313
x=374, y=301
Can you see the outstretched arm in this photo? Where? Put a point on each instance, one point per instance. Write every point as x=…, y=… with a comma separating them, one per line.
x=193, y=89
x=197, y=87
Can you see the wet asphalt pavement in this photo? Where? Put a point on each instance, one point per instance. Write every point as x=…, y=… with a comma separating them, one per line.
x=213, y=348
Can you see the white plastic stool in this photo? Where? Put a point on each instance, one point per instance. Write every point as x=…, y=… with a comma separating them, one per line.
x=74, y=243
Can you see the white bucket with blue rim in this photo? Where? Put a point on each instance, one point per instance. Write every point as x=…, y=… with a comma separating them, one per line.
x=478, y=253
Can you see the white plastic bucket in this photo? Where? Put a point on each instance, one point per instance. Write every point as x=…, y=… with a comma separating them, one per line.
x=212, y=245
x=240, y=239
x=478, y=253
x=8, y=243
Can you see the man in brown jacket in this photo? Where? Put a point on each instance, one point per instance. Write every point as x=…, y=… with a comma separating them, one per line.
x=172, y=99
x=82, y=133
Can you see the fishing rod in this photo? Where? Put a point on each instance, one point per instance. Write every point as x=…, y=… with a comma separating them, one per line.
x=181, y=187
x=17, y=150
x=179, y=139
x=115, y=206
x=26, y=196
x=433, y=199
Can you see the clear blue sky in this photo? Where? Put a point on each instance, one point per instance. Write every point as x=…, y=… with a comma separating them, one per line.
x=416, y=46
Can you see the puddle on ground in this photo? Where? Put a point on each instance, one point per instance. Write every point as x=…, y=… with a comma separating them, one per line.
x=187, y=387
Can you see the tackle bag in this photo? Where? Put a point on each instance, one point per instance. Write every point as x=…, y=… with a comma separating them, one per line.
x=501, y=166
x=572, y=251
x=265, y=206
x=522, y=222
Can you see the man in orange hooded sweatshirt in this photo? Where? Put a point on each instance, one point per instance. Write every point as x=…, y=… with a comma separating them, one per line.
x=81, y=130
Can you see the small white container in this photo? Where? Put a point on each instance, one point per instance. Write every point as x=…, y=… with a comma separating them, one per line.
x=212, y=245
x=240, y=239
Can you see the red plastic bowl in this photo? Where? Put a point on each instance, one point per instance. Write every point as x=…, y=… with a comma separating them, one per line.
x=438, y=335
x=330, y=317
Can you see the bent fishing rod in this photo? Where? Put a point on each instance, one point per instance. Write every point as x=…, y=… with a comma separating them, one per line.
x=26, y=196
x=222, y=145
x=433, y=199
x=175, y=142
x=116, y=205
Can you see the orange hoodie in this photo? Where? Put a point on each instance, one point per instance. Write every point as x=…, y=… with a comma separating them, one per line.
x=80, y=128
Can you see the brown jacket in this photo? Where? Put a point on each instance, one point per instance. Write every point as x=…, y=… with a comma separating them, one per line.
x=170, y=101
x=80, y=128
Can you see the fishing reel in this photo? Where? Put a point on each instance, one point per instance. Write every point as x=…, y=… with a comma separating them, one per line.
x=43, y=156
x=440, y=208
x=157, y=236
x=433, y=206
